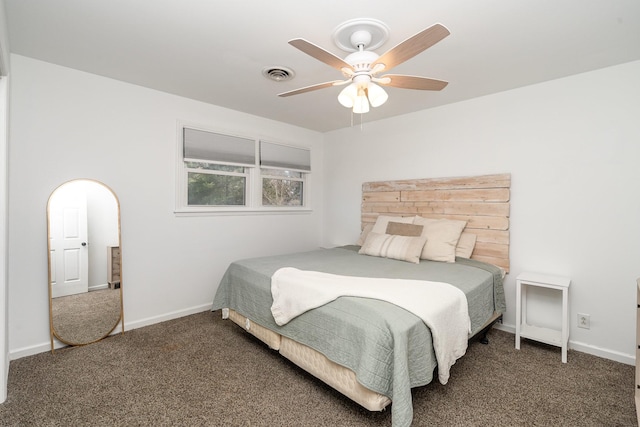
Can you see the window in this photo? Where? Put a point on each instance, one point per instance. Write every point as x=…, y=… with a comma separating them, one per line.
x=216, y=185
x=217, y=168
x=282, y=188
x=283, y=170
x=219, y=172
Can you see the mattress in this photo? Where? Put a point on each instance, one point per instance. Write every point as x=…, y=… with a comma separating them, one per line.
x=387, y=349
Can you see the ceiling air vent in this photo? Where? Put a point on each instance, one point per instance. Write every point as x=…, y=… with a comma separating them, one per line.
x=278, y=74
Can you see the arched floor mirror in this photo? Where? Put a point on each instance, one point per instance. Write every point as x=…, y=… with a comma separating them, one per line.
x=85, y=280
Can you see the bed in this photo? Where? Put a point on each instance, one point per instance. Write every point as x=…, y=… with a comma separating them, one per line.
x=371, y=350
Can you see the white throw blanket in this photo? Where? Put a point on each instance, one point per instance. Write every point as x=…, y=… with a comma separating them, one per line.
x=441, y=306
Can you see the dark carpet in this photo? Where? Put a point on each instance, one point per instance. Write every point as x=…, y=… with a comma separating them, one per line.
x=200, y=370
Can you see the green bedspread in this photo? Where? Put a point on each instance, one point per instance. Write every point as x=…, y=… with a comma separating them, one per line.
x=388, y=348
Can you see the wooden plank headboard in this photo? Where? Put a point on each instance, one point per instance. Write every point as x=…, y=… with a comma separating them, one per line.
x=482, y=201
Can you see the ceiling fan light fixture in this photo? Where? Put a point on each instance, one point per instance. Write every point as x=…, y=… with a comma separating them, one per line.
x=361, y=103
x=360, y=95
x=377, y=95
x=348, y=96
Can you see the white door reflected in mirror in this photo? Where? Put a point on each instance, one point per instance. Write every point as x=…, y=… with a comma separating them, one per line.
x=68, y=240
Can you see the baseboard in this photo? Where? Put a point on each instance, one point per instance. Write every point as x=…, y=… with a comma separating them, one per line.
x=627, y=359
x=31, y=350
x=164, y=317
x=43, y=347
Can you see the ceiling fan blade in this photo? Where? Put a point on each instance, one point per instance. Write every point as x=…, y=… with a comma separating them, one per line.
x=412, y=46
x=410, y=82
x=313, y=87
x=320, y=54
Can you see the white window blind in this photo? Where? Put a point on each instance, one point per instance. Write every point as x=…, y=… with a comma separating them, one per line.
x=214, y=147
x=284, y=157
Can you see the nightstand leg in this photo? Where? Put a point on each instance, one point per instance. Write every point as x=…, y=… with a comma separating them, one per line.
x=565, y=323
x=518, y=312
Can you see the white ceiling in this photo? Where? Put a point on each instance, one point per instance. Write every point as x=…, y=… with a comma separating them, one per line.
x=214, y=51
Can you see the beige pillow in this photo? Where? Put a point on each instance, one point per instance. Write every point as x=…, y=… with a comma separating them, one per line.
x=404, y=248
x=402, y=229
x=442, y=237
x=465, y=245
x=382, y=221
x=365, y=232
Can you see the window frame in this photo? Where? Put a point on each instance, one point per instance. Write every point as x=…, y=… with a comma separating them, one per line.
x=253, y=188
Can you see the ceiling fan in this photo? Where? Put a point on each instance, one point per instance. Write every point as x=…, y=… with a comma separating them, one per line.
x=362, y=67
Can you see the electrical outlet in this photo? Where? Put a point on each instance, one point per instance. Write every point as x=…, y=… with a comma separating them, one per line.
x=584, y=321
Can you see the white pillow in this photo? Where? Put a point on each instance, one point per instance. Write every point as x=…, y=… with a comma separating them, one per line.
x=382, y=221
x=465, y=245
x=404, y=248
x=365, y=232
x=442, y=237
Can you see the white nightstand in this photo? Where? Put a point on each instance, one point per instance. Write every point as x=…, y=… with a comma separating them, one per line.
x=545, y=335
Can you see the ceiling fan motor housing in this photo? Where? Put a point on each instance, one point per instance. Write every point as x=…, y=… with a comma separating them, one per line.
x=361, y=61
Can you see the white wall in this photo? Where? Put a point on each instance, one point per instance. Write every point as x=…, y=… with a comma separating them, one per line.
x=572, y=146
x=4, y=245
x=4, y=207
x=67, y=124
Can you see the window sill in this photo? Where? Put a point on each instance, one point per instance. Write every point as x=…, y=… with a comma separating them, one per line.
x=186, y=212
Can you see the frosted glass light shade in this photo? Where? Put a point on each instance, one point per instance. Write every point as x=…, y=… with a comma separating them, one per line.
x=377, y=95
x=361, y=105
x=358, y=95
x=348, y=96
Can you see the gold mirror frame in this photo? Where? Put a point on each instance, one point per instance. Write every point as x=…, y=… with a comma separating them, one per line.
x=91, y=315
